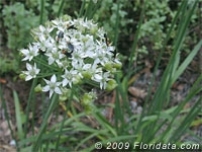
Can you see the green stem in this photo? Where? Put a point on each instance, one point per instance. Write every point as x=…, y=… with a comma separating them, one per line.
x=117, y=24
x=42, y=11
x=61, y=7
x=82, y=8
x=43, y=126
x=29, y=102
x=7, y=115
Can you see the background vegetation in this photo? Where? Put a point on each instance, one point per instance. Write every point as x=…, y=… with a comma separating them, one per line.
x=156, y=39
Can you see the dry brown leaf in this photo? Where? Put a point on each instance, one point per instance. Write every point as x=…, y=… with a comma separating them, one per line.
x=3, y=81
x=136, y=92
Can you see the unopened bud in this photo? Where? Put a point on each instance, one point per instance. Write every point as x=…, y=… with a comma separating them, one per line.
x=38, y=88
x=111, y=84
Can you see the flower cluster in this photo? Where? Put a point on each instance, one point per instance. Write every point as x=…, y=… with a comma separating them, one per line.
x=68, y=52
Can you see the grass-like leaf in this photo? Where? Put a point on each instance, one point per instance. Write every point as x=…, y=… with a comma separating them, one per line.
x=19, y=115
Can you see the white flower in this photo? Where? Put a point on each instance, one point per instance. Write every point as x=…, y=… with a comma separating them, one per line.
x=60, y=24
x=69, y=77
x=52, y=86
x=32, y=71
x=88, y=46
x=91, y=69
x=76, y=49
x=102, y=79
x=77, y=59
x=42, y=31
x=79, y=68
x=101, y=57
x=45, y=30
x=54, y=56
x=46, y=44
x=29, y=53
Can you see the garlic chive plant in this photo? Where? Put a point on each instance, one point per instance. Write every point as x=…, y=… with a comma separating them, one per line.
x=69, y=52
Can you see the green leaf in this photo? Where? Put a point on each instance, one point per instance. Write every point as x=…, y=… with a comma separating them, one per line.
x=187, y=61
x=19, y=116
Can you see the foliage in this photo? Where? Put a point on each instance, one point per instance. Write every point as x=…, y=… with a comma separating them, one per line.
x=7, y=65
x=18, y=22
x=107, y=14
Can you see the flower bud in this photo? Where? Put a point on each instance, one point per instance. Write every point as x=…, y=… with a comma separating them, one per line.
x=22, y=76
x=117, y=65
x=38, y=88
x=87, y=74
x=108, y=66
x=89, y=108
x=111, y=84
x=77, y=80
x=65, y=94
x=87, y=99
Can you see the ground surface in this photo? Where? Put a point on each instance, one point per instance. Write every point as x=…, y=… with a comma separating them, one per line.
x=137, y=93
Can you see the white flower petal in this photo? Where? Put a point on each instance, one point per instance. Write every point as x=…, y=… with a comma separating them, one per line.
x=29, y=66
x=50, y=93
x=53, y=78
x=46, y=88
x=37, y=71
x=25, y=51
x=58, y=91
x=86, y=66
x=64, y=82
x=28, y=78
x=98, y=77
